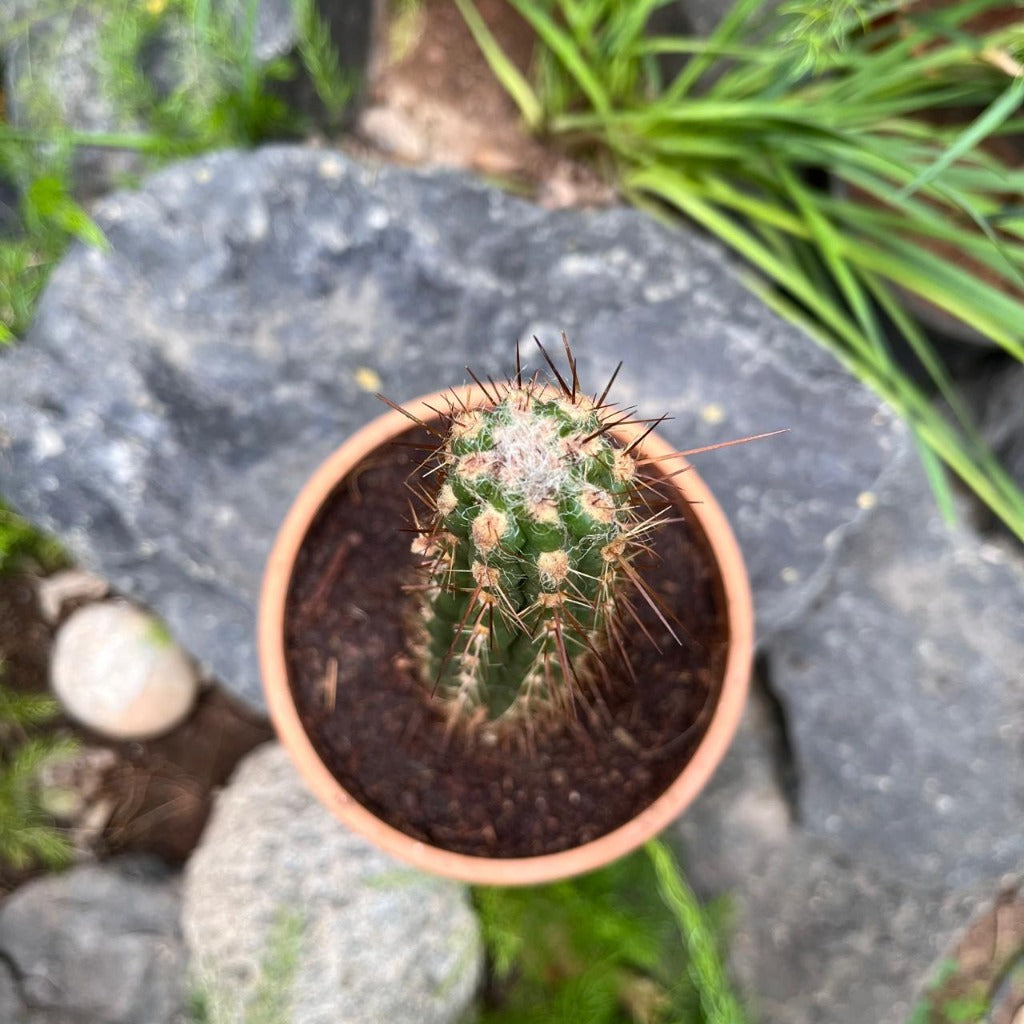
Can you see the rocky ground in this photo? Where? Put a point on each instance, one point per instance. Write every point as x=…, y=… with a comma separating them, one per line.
x=176, y=390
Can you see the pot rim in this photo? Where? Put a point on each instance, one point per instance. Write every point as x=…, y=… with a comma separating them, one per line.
x=505, y=870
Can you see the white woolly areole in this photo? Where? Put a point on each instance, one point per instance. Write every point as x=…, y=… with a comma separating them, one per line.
x=530, y=461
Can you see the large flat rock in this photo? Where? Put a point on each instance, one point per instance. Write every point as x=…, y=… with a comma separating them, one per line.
x=814, y=937
x=176, y=390
x=903, y=689
x=874, y=803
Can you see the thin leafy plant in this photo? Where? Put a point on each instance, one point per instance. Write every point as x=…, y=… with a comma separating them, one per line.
x=28, y=837
x=629, y=944
x=46, y=218
x=772, y=97
x=23, y=547
x=221, y=95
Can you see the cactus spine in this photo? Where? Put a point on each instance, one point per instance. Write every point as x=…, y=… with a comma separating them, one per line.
x=528, y=544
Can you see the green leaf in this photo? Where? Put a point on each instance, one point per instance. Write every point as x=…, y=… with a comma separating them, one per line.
x=563, y=47
x=979, y=129
x=48, y=200
x=504, y=70
x=706, y=969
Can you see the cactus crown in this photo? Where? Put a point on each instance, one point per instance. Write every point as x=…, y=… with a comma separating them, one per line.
x=529, y=542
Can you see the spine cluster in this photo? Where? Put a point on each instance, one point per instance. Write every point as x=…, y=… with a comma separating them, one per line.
x=529, y=542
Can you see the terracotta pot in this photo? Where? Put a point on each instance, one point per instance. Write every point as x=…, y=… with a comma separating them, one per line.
x=481, y=870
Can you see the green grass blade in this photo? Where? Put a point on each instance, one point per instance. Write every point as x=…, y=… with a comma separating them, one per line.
x=914, y=407
x=729, y=28
x=928, y=358
x=988, y=310
x=938, y=480
x=832, y=249
x=504, y=70
x=705, y=966
x=978, y=130
x=565, y=49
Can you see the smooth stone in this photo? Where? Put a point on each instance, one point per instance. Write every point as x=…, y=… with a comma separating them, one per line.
x=98, y=944
x=117, y=671
x=310, y=281
x=283, y=902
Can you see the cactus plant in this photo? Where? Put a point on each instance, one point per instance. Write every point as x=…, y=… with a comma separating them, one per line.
x=528, y=550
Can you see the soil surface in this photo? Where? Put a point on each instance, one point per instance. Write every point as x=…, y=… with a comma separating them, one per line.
x=434, y=100
x=373, y=721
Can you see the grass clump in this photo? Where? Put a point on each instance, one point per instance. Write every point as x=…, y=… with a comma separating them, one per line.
x=628, y=944
x=22, y=546
x=731, y=139
x=44, y=219
x=28, y=837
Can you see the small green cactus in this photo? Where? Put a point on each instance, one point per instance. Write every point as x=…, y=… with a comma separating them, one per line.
x=533, y=527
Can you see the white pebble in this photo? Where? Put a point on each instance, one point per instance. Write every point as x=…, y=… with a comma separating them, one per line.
x=115, y=670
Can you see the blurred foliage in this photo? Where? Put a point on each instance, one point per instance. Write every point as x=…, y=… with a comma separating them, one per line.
x=628, y=944
x=28, y=837
x=22, y=546
x=41, y=222
x=218, y=95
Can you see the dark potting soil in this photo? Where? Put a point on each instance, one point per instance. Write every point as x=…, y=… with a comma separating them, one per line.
x=372, y=720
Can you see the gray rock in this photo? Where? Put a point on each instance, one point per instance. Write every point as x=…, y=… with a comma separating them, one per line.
x=285, y=905
x=98, y=945
x=247, y=291
x=813, y=937
x=12, y=1009
x=904, y=697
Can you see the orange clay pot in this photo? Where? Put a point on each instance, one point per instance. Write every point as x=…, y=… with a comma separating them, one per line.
x=522, y=870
